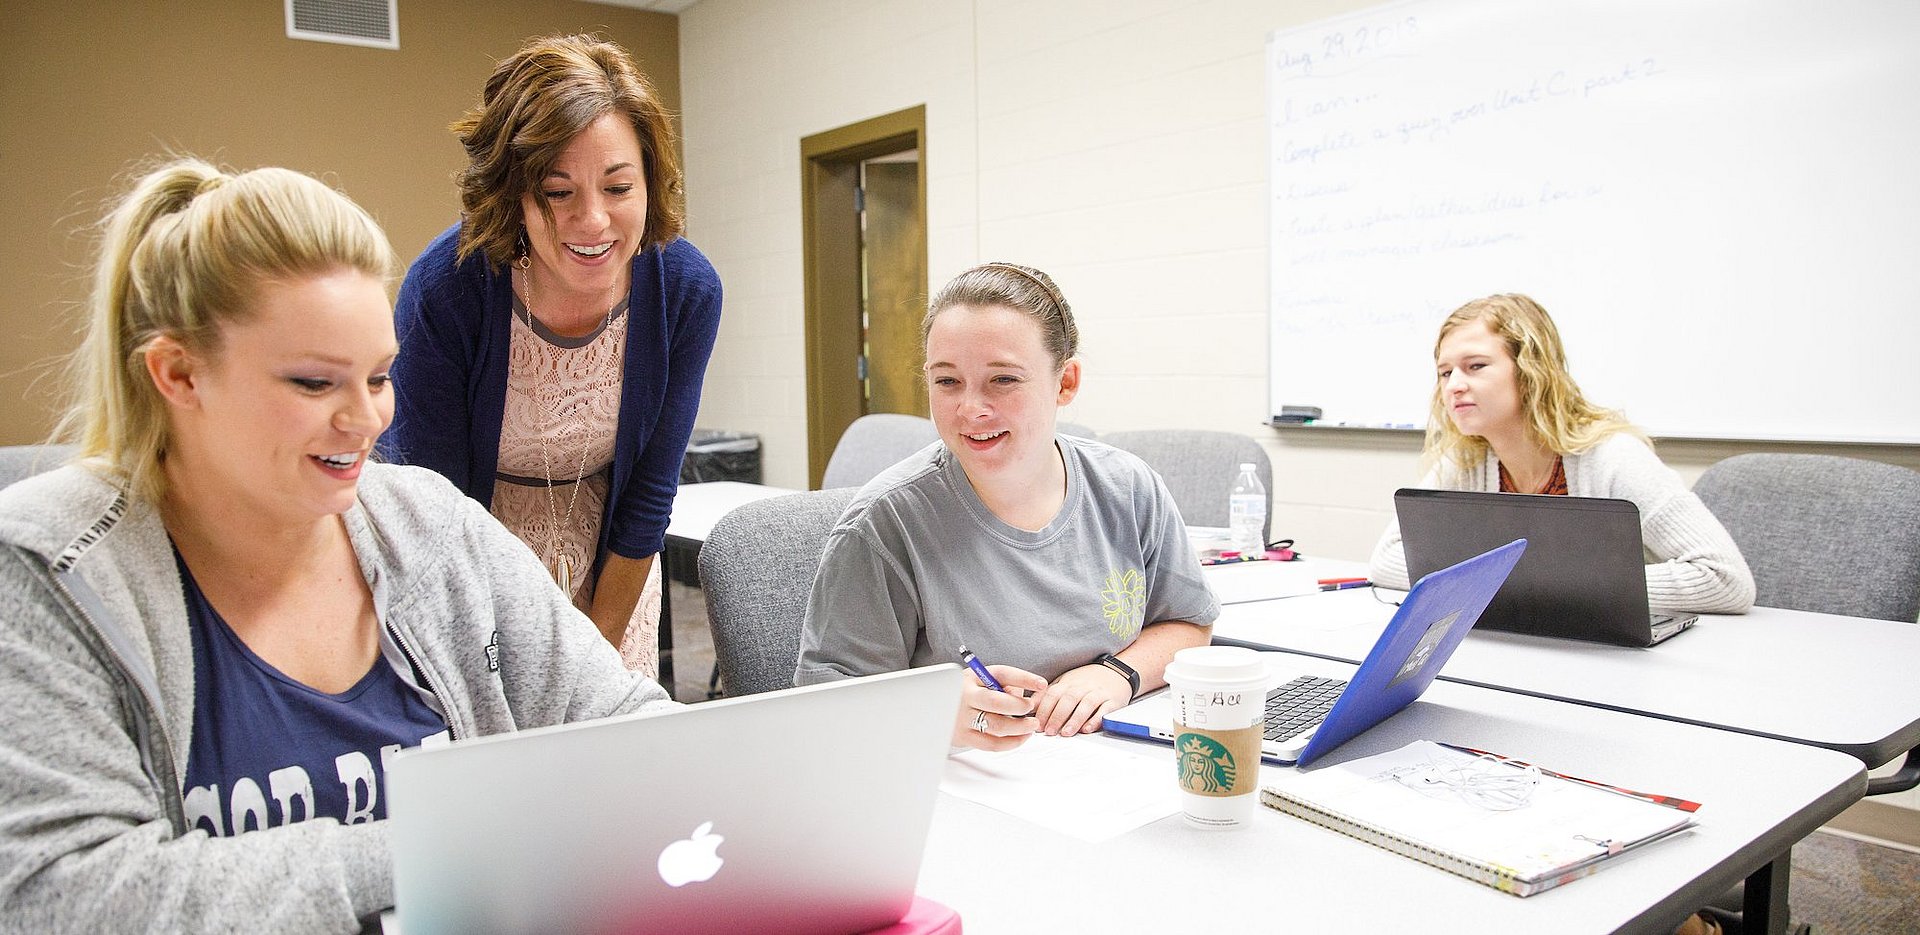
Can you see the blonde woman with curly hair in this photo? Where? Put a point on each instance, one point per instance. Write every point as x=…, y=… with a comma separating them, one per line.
x=1507, y=416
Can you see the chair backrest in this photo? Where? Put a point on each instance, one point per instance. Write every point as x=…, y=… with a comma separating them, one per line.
x=19, y=462
x=1822, y=533
x=1199, y=468
x=873, y=443
x=757, y=567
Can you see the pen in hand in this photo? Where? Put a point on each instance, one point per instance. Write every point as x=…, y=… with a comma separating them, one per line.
x=986, y=678
x=980, y=672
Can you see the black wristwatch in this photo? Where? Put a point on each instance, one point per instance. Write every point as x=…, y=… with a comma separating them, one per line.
x=1113, y=662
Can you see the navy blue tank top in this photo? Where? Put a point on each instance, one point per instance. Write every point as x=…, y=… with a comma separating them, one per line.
x=268, y=750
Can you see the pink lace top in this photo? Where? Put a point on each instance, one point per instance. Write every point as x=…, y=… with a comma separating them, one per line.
x=567, y=392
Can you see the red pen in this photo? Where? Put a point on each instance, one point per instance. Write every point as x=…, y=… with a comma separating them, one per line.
x=1340, y=580
x=1669, y=801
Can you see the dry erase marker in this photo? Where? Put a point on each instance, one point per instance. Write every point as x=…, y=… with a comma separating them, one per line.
x=980, y=672
x=1343, y=585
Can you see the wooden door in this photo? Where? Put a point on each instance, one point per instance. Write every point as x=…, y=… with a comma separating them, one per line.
x=894, y=267
x=835, y=259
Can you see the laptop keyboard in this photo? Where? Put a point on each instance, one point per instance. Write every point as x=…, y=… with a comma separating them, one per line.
x=1300, y=705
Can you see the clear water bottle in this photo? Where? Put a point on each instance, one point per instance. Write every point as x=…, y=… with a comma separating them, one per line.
x=1247, y=512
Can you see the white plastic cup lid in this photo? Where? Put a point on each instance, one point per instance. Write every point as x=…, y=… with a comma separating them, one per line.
x=1220, y=666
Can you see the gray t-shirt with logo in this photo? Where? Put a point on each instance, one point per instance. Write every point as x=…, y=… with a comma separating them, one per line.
x=918, y=566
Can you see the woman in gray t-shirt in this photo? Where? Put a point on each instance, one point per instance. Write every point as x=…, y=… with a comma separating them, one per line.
x=1063, y=560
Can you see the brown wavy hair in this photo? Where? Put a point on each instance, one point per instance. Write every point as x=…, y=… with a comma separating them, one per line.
x=535, y=103
x=1558, y=415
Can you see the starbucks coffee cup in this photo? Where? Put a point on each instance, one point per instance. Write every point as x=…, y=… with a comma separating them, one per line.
x=1219, y=711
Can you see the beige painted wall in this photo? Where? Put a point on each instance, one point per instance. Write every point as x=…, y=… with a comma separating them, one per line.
x=1118, y=144
x=89, y=88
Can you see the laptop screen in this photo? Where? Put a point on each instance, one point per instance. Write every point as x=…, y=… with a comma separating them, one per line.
x=1584, y=574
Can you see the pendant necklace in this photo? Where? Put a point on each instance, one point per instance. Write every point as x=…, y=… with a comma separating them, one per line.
x=561, y=566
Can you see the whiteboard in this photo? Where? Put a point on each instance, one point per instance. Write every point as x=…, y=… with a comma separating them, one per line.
x=1717, y=200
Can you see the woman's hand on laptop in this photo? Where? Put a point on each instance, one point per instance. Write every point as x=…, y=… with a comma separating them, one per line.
x=1080, y=699
x=998, y=720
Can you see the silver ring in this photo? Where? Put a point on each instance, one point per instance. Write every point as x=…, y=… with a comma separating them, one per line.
x=980, y=721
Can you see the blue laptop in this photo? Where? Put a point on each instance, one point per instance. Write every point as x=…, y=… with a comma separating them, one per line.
x=1308, y=716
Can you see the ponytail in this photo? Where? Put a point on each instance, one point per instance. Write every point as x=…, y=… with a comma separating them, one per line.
x=181, y=255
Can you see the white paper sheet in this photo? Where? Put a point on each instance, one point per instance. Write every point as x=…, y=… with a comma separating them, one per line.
x=1083, y=786
x=1244, y=582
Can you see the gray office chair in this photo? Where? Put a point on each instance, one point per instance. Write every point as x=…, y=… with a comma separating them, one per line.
x=757, y=567
x=1827, y=534
x=19, y=462
x=873, y=443
x=1198, y=468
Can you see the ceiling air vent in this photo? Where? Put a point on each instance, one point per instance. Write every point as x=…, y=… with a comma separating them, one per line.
x=353, y=22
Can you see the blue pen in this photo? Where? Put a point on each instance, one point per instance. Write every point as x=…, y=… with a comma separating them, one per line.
x=1343, y=585
x=980, y=672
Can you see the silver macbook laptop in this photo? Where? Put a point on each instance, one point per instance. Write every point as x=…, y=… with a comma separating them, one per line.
x=792, y=812
x=1584, y=575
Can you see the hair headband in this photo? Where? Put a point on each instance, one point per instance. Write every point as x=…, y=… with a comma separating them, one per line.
x=1033, y=276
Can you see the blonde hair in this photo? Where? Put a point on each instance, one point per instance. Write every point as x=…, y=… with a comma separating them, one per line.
x=1022, y=288
x=534, y=104
x=182, y=255
x=1556, y=412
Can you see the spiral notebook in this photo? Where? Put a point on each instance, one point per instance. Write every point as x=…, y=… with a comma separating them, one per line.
x=1515, y=827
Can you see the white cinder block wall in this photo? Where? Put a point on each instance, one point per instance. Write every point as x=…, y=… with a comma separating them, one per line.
x=1118, y=144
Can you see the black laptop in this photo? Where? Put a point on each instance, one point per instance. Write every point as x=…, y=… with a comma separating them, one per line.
x=1583, y=577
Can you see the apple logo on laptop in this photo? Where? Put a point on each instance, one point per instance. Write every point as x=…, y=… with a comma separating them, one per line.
x=694, y=860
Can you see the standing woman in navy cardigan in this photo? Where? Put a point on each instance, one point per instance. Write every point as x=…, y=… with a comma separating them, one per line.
x=553, y=342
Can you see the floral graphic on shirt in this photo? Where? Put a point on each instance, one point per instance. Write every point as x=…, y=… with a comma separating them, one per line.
x=1124, y=602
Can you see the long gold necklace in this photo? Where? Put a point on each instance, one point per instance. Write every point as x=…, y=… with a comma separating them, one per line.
x=561, y=567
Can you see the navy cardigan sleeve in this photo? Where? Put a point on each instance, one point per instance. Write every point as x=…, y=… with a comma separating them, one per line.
x=676, y=295
x=443, y=416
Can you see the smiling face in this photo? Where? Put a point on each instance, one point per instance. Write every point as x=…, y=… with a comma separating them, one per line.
x=1479, y=383
x=280, y=420
x=995, y=392
x=598, y=194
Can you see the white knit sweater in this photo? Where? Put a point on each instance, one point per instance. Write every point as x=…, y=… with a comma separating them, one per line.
x=1692, y=564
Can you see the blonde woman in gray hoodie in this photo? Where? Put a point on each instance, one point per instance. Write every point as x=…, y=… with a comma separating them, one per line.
x=218, y=621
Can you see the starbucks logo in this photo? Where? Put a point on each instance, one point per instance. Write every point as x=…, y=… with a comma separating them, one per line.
x=1206, y=767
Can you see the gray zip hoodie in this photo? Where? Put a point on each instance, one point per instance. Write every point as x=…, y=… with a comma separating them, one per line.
x=96, y=703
